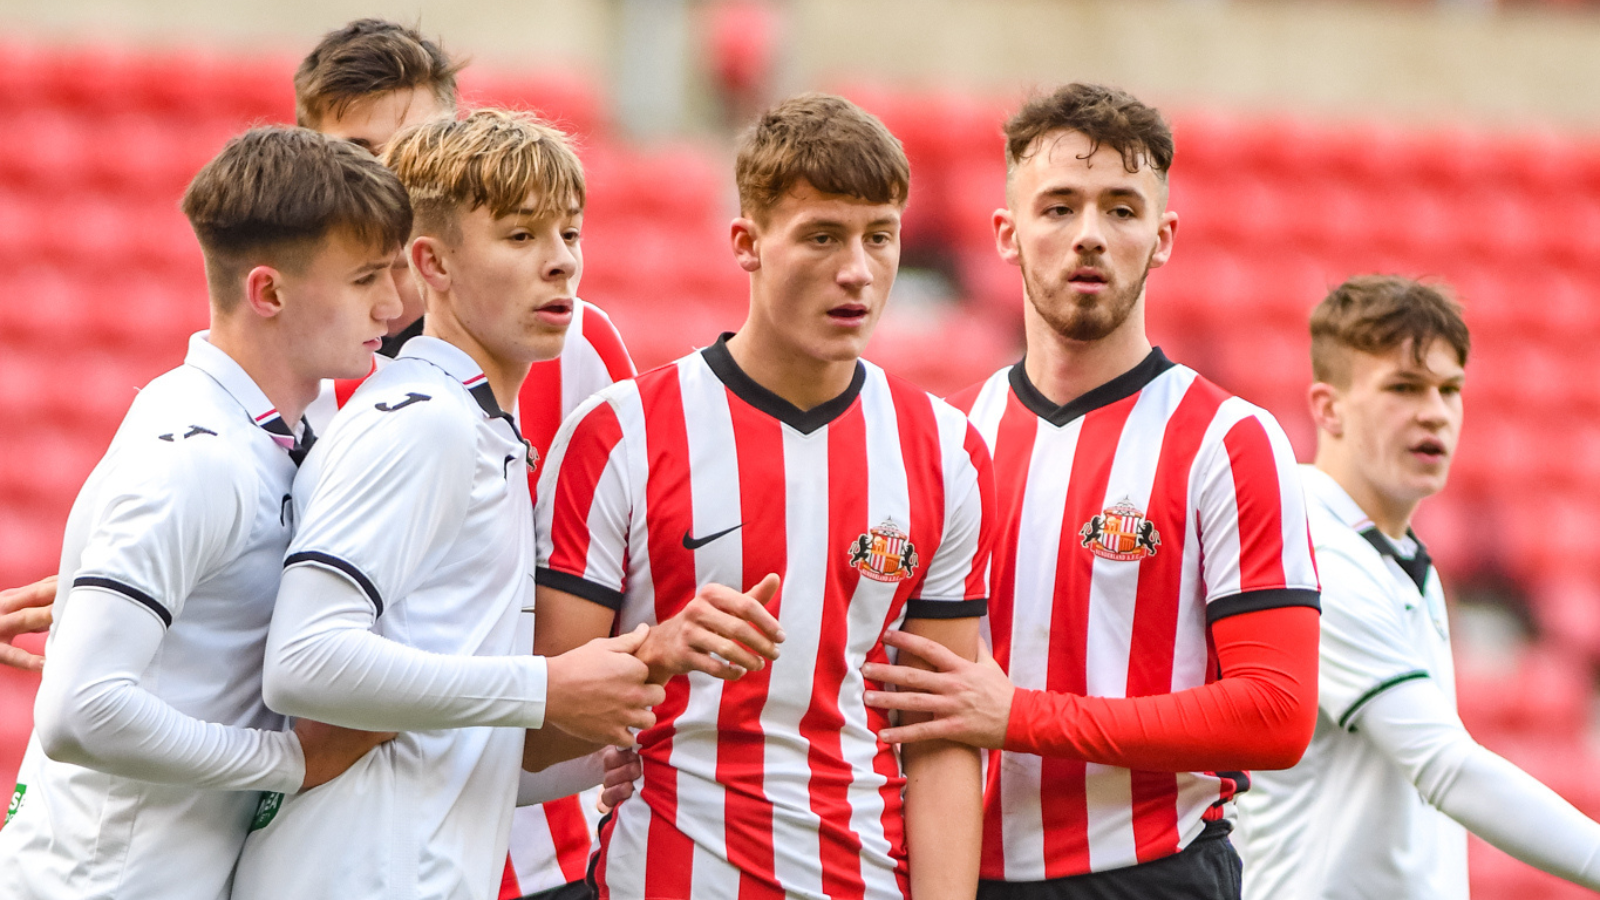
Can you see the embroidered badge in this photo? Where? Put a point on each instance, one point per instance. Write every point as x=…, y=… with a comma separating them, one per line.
x=884, y=553
x=1121, y=532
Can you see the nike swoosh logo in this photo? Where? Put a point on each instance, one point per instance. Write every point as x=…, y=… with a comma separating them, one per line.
x=411, y=397
x=691, y=542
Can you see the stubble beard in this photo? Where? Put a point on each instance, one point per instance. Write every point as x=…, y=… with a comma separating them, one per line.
x=1090, y=318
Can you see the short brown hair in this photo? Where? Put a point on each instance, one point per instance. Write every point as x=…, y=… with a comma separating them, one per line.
x=492, y=158
x=273, y=192
x=828, y=141
x=1105, y=115
x=1377, y=313
x=366, y=57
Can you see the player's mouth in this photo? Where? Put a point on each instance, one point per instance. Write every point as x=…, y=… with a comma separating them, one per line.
x=1429, y=450
x=557, y=312
x=374, y=345
x=849, y=313
x=1088, y=279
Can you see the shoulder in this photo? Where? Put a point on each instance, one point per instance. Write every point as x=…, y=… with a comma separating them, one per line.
x=183, y=427
x=407, y=406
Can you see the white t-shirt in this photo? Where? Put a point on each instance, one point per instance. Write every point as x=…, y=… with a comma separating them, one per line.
x=1347, y=821
x=418, y=495
x=175, y=543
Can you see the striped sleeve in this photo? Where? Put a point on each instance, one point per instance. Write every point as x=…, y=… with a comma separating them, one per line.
x=1255, y=540
x=601, y=334
x=957, y=582
x=585, y=507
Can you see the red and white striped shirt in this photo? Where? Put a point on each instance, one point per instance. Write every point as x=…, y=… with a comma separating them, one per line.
x=874, y=508
x=1130, y=519
x=550, y=842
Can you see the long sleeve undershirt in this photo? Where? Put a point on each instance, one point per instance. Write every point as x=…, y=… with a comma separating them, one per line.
x=1417, y=728
x=91, y=710
x=324, y=663
x=1259, y=714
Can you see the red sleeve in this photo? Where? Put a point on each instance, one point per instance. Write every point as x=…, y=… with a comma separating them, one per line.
x=1259, y=715
x=602, y=335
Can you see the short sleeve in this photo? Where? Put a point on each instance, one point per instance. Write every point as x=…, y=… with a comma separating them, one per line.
x=1366, y=648
x=387, y=492
x=585, y=507
x=1255, y=541
x=166, y=516
x=957, y=580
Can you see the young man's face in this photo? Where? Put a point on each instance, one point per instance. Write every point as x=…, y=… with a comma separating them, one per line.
x=371, y=122
x=1085, y=232
x=822, y=267
x=1401, y=420
x=337, y=307
x=514, y=280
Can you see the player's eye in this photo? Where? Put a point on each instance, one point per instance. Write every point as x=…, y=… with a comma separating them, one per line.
x=571, y=235
x=1058, y=211
x=1123, y=212
x=369, y=278
x=1450, y=390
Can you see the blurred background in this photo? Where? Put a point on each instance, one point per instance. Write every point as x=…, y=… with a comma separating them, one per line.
x=1457, y=140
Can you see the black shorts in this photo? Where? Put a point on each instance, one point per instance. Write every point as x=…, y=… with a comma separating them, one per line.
x=1207, y=869
x=577, y=890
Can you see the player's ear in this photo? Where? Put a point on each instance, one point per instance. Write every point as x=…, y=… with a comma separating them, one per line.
x=431, y=261
x=263, y=291
x=744, y=234
x=1326, y=411
x=1164, y=236
x=1005, y=235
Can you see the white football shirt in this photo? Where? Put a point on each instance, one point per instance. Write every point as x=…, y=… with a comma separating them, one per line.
x=186, y=519
x=418, y=494
x=1346, y=821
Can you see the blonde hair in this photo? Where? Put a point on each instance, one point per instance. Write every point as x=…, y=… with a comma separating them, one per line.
x=494, y=158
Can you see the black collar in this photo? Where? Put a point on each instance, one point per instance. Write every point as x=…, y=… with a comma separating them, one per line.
x=1416, y=568
x=484, y=394
x=745, y=388
x=391, y=345
x=1125, y=385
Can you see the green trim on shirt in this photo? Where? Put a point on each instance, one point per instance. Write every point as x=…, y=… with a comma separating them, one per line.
x=1377, y=689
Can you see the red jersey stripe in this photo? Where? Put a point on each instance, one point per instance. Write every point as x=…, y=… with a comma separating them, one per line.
x=574, y=494
x=1255, y=490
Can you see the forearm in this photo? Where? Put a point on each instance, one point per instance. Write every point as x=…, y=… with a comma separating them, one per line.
x=323, y=663
x=1417, y=728
x=944, y=819
x=560, y=780
x=1259, y=715
x=92, y=712
x=547, y=747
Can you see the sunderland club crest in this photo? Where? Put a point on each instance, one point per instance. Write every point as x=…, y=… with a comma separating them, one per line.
x=884, y=554
x=1121, y=532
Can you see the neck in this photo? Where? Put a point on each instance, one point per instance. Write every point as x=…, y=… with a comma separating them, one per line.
x=803, y=380
x=1391, y=515
x=505, y=377
x=258, y=349
x=1064, y=369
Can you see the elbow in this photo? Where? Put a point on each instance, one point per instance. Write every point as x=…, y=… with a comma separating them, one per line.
x=1286, y=740
x=287, y=693
x=60, y=740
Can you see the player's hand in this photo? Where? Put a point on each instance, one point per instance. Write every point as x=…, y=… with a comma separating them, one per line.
x=25, y=610
x=719, y=620
x=330, y=750
x=598, y=691
x=970, y=702
x=622, y=768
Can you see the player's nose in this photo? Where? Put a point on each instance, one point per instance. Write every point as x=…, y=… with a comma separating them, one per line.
x=855, y=273
x=1091, y=235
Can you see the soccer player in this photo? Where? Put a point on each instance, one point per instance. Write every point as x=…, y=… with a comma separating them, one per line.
x=777, y=450
x=1154, y=596
x=403, y=588
x=1381, y=803
x=151, y=740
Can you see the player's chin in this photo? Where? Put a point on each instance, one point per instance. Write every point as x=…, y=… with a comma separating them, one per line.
x=541, y=343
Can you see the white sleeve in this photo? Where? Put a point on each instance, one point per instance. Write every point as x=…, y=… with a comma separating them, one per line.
x=323, y=663
x=561, y=780
x=91, y=711
x=1415, y=726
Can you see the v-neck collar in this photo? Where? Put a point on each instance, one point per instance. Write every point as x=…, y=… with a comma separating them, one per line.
x=1121, y=387
x=745, y=388
x=226, y=372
